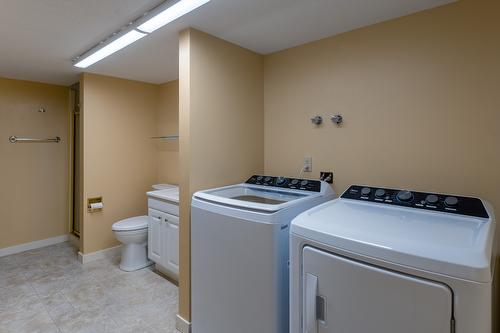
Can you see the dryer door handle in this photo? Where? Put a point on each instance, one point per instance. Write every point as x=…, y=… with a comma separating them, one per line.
x=309, y=303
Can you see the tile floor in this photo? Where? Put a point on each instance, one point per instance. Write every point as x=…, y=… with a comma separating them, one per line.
x=47, y=290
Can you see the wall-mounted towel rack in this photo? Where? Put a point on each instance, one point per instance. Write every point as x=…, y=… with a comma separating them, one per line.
x=167, y=137
x=15, y=139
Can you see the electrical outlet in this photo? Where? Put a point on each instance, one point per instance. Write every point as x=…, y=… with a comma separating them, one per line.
x=326, y=176
x=308, y=164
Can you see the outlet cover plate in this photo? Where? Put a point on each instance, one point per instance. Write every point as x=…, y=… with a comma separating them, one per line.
x=308, y=164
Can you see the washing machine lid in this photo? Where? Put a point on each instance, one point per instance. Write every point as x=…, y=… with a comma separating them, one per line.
x=131, y=224
x=454, y=245
x=255, y=197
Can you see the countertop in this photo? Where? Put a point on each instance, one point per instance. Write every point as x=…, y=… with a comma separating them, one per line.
x=171, y=194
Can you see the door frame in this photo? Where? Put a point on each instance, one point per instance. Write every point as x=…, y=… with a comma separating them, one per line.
x=74, y=92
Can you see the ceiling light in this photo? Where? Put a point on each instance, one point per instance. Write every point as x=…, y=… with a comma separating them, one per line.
x=170, y=14
x=146, y=24
x=111, y=48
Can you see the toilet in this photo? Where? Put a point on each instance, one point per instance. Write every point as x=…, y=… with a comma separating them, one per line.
x=133, y=234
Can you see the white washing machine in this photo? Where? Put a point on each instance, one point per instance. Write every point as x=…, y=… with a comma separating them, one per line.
x=239, y=253
x=390, y=261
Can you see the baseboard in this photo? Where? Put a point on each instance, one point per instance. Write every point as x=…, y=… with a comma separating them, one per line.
x=182, y=325
x=33, y=245
x=102, y=254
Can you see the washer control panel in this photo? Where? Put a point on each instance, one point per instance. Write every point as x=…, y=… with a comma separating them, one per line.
x=420, y=200
x=292, y=183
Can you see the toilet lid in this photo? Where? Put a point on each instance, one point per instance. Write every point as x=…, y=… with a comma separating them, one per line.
x=132, y=223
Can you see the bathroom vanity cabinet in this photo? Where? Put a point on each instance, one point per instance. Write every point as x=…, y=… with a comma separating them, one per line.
x=163, y=231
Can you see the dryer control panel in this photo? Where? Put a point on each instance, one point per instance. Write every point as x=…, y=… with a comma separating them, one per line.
x=292, y=183
x=420, y=200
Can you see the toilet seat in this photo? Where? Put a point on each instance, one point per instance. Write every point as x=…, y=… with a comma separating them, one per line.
x=131, y=224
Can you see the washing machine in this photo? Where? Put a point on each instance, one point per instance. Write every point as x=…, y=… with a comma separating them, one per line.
x=383, y=260
x=240, y=252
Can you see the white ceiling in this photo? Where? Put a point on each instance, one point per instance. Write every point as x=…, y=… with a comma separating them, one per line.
x=38, y=38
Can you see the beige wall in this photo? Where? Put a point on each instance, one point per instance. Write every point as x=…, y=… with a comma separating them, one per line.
x=34, y=177
x=168, y=124
x=419, y=96
x=119, y=157
x=221, y=126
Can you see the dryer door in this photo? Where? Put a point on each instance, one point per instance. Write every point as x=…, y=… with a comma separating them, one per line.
x=346, y=296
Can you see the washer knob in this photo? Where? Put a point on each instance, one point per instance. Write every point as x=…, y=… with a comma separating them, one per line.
x=379, y=193
x=303, y=183
x=404, y=196
x=431, y=199
x=366, y=191
x=450, y=201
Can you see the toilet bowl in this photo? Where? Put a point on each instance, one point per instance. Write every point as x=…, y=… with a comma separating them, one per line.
x=133, y=234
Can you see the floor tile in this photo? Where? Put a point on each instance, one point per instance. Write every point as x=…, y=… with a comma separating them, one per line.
x=47, y=283
x=36, y=323
x=48, y=290
x=80, y=321
x=15, y=295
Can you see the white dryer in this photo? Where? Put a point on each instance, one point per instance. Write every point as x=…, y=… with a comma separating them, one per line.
x=391, y=261
x=239, y=253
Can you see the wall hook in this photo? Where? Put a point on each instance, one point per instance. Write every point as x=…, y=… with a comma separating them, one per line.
x=318, y=120
x=337, y=119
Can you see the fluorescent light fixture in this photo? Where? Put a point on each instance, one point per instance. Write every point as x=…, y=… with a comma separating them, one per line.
x=157, y=18
x=111, y=48
x=170, y=14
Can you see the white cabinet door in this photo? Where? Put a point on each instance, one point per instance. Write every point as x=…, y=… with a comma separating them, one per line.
x=163, y=240
x=155, y=225
x=171, y=234
x=345, y=296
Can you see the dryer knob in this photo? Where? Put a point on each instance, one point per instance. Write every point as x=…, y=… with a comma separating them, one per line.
x=404, y=196
x=431, y=199
x=450, y=201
